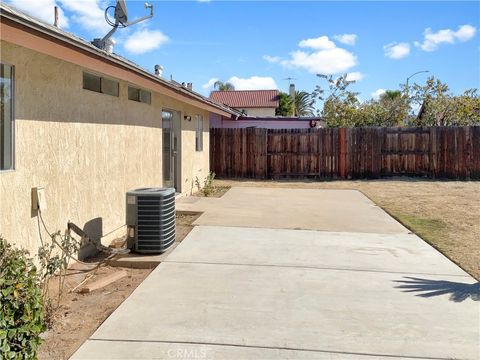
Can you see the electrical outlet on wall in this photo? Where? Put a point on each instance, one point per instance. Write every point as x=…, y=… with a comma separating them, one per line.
x=39, y=201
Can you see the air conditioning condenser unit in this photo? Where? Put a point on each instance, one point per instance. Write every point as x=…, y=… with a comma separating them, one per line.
x=151, y=212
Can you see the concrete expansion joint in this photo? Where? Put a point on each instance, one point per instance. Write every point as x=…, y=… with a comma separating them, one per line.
x=310, y=268
x=322, y=231
x=266, y=347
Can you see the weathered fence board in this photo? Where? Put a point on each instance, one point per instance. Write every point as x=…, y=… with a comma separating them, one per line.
x=349, y=153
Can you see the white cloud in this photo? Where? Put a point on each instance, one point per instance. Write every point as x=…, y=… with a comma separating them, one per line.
x=432, y=40
x=318, y=55
x=143, y=41
x=355, y=76
x=319, y=43
x=348, y=39
x=210, y=83
x=377, y=93
x=465, y=33
x=331, y=61
x=397, y=50
x=89, y=14
x=41, y=9
x=272, y=59
x=253, y=83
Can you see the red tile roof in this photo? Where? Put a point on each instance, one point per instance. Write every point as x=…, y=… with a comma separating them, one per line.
x=246, y=98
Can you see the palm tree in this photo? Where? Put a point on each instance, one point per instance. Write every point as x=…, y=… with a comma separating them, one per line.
x=221, y=86
x=285, y=105
x=391, y=94
x=303, y=104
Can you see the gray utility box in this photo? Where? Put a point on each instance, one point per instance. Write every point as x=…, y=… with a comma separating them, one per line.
x=151, y=211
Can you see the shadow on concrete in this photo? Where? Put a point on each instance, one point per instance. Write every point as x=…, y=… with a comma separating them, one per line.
x=429, y=288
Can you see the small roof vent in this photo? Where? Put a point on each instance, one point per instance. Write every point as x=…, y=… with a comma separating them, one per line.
x=158, y=70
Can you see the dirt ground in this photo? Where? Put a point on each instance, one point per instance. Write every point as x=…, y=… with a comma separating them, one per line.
x=446, y=214
x=79, y=315
x=218, y=191
x=184, y=224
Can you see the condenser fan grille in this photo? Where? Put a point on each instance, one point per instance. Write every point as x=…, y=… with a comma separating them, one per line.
x=155, y=219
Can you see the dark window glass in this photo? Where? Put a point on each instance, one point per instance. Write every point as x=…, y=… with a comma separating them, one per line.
x=199, y=133
x=167, y=118
x=6, y=117
x=145, y=97
x=133, y=94
x=92, y=82
x=100, y=84
x=109, y=87
x=139, y=95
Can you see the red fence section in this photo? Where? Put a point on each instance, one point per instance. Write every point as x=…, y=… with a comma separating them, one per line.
x=346, y=153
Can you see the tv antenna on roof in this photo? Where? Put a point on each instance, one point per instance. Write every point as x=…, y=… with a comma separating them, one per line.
x=290, y=79
x=121, y=21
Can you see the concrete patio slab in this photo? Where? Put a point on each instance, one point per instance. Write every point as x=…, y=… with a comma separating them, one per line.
x=299, y=309
x=248, y=284
x=159, y=350
x=248, y=301
x=308, y=209
x=395, y=253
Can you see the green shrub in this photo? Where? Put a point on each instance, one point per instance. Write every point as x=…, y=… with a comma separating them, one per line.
x=21, y=305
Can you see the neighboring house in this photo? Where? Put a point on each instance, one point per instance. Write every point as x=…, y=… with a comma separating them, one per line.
x=249, y=102
x=258, y=110
x=87, y=126
x=276, y=122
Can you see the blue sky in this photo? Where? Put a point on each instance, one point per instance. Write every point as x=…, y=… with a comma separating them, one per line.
x=259, y=44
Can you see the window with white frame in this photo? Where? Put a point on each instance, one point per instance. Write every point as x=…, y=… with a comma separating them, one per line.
x=7, y=120
x=199, y=133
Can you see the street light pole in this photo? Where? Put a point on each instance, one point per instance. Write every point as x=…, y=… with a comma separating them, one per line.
x=408, y=78
x=408, y=89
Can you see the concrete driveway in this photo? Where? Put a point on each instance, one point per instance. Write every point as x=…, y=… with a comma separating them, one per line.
x=251, y=292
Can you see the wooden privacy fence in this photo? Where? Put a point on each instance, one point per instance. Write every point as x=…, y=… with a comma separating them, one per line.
x=346, y=153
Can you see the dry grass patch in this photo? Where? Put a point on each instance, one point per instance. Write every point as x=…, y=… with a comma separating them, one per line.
x=446, y=214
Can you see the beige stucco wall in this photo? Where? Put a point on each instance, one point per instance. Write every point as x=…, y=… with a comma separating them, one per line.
x=86, y=149
x=260, y=111
x=195, y=164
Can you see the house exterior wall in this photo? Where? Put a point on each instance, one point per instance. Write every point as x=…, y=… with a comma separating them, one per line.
x=85, y=148
x=259, y=111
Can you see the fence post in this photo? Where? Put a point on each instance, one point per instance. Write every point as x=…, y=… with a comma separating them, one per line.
x=342, y=152
x=266, y=153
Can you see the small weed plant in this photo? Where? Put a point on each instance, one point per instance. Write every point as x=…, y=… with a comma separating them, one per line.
x=54, y=257
x=208, y=188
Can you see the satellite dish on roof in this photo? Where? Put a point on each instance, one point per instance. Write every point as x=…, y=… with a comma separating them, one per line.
x=121, y=13
x=120, y=21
